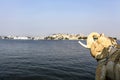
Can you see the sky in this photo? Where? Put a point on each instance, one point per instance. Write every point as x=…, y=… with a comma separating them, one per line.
x=45, y=17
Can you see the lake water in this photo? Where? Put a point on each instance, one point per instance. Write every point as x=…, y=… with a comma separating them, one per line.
x=45, y=60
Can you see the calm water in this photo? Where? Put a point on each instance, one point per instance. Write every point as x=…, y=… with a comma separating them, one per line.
x=45, y=60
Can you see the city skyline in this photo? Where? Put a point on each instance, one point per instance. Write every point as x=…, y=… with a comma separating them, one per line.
x=44, y=17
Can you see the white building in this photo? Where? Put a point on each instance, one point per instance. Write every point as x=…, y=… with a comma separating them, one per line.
x=21, y=38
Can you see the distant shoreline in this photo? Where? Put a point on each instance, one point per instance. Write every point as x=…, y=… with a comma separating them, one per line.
x=50, y=37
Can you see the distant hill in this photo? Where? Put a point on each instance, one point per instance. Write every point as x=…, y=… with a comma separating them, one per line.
x=65, y=37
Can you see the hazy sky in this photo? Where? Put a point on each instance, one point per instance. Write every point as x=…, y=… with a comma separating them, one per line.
x=36, y=17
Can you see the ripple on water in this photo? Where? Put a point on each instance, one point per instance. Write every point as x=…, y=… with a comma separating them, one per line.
x=45, y=60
